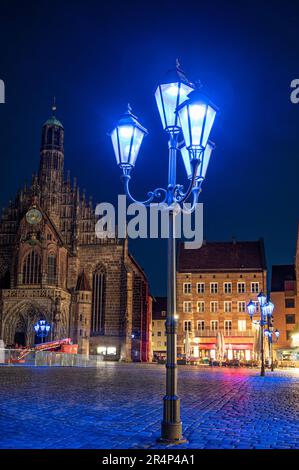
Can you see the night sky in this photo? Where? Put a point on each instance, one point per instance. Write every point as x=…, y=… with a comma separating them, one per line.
x=95, y=57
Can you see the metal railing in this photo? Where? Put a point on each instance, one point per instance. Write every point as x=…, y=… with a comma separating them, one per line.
x=10, y=357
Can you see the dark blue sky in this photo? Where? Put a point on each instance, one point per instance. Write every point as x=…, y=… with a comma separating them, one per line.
x=95, y=58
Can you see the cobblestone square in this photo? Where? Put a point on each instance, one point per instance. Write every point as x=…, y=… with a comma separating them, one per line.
x=120, y=406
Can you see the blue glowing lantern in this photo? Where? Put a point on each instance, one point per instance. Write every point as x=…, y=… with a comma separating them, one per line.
x=277, y=333
x=127, y=137
x=267, y=333
x=262, y=299
x=269, y=307
x=42, y=328
x=196, y=116
x=251, y=308
x=170, y=95
x=204, y=162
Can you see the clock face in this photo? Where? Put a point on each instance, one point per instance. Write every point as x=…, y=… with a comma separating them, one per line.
x=33, y=216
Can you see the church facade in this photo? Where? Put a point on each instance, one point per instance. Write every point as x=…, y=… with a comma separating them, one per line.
x=53, y=267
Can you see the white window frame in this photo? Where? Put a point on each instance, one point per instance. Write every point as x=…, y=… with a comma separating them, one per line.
x=226, y=303
x=215, y=304
x=187, y=291
x=241, y=283
x=200, y=290
x=243, y=304
x=230, y=322
x=227, y=284
x=188, y=309
x=202, y=303
x=213, y=287
x=185, y=323
x=200, y=322
x=257, y=289
x=214, y=322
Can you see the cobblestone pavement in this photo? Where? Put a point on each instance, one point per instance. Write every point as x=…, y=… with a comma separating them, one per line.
x=120, y=406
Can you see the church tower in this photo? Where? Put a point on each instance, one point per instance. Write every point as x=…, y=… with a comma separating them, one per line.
x=50, y=178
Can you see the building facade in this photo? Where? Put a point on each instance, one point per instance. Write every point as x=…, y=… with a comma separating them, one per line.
x=158, y=327
x=53, y=267
x=214, y=286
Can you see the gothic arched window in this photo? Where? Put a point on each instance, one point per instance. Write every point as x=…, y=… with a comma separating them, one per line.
x=98, y=302
x=32, y=268
x=52, y=269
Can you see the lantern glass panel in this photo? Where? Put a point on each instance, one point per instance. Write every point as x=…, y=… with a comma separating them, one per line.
x=210, y=117
x=168, y=97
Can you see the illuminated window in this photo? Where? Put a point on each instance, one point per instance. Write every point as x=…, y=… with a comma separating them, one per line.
x=242, y=325
x=111, y=350
x=32, y=268
x=200, y=306
x=98, y=302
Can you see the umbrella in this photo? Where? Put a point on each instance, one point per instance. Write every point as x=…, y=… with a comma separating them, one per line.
x=220, y=346
x=187, y=343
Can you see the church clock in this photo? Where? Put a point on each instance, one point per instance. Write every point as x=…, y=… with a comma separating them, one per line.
x=33, y=216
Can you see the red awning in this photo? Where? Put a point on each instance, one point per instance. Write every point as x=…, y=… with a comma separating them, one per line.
x=207, y=346
x=230, y=346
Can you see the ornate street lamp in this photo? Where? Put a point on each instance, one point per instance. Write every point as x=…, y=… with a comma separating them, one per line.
x=42, y=329
x=266, y=310
x=195, y=120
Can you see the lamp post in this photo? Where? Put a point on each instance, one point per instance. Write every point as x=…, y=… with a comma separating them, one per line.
x=183, y=110
x=270, y=333
x=266, y=310
x=42, y=329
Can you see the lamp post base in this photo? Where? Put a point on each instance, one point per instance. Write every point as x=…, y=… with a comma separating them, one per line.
x=173, y=443
x=171, y=433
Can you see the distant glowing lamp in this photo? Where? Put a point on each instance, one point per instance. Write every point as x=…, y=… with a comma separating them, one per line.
x=127, y=137
x=196, y=114
x=277, y=333
x=42, y=328
x=204, y=161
